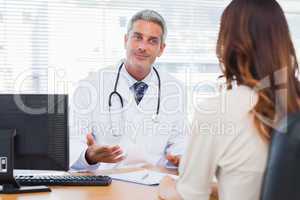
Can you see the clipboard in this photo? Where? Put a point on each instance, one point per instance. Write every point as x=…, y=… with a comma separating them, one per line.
x=143, y=177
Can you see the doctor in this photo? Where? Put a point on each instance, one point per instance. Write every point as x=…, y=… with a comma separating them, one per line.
x=132, y=113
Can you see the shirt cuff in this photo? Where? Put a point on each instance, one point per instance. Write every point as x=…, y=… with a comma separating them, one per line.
x=82, y=165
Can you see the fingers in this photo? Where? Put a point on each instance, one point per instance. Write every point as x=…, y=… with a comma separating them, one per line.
x=90, y=139
x=169, y=157
x=96, y=153
x=173, y=159
x=107, y=149
x=113, y=159
x=167, y=179
x=108, y=154
x=166, y=188
x=177, y=160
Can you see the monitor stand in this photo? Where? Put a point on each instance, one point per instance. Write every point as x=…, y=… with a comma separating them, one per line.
x=7, y=180
x=15, y=188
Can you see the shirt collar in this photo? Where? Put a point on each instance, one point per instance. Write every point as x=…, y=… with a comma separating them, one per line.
x=126, y=82
x=132, y=80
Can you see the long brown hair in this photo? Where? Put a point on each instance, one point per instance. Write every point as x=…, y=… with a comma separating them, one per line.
x=255, y=49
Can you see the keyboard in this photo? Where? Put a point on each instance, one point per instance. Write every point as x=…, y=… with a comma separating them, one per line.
x=68, y=180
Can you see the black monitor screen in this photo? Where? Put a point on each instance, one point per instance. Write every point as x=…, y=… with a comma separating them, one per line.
x=41, y=124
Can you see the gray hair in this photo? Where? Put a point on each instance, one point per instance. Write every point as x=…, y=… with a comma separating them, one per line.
x=151, y=16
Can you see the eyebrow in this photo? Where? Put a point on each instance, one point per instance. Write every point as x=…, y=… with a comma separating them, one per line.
x=137, y=33
x=151, y=37
x=154, y=38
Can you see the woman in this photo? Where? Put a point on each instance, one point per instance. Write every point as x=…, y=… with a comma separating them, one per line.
x=231, y=131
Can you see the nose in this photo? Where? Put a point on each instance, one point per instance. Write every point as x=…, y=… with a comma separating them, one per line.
x=142, y=45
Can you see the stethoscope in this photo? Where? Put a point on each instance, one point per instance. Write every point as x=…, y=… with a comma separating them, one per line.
x=116, y=93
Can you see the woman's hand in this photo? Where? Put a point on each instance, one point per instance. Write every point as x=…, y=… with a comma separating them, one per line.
x=167, y=189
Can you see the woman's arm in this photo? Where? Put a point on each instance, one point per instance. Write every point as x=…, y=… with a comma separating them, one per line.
x=199, y=163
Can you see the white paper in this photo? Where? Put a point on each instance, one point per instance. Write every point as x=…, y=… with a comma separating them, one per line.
x=144, y=177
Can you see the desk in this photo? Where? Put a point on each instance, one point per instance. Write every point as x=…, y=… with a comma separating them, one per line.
x=116, y=191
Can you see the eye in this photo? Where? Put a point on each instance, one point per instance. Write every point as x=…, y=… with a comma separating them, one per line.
x=137, y=37
x=154, y=41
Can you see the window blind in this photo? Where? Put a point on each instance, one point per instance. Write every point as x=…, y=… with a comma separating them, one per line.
x=46, y=42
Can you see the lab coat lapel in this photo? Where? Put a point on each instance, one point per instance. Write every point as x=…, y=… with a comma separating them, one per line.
x=149, y=101
x=124, y=90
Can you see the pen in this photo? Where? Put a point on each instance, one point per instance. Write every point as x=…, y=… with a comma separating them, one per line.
x=145, y=176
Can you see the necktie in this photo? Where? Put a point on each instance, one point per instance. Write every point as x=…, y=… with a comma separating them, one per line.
x=139, y=91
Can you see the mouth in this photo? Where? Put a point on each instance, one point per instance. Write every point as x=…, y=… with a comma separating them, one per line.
x=141, y=56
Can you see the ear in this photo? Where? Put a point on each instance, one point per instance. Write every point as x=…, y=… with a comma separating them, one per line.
x=125, y=40
x=161, y=50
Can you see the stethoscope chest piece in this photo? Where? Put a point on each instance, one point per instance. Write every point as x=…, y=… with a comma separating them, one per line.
x=155, y=118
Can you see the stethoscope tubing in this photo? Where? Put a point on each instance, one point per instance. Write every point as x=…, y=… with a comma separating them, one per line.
x=115, y=92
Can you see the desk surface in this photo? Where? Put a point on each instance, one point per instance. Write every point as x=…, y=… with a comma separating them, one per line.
x=116, y=191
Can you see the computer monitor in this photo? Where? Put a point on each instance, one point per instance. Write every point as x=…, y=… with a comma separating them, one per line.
x=33, y=134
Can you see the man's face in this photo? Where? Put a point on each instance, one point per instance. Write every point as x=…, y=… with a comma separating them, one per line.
x=143, y=45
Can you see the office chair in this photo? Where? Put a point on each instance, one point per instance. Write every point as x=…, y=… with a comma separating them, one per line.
x=282, y=175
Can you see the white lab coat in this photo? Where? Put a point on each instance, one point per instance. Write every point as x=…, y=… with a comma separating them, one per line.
x=143, y=140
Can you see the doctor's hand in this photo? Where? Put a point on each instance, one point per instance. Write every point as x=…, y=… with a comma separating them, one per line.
x=174, y=159
x=97, y=153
